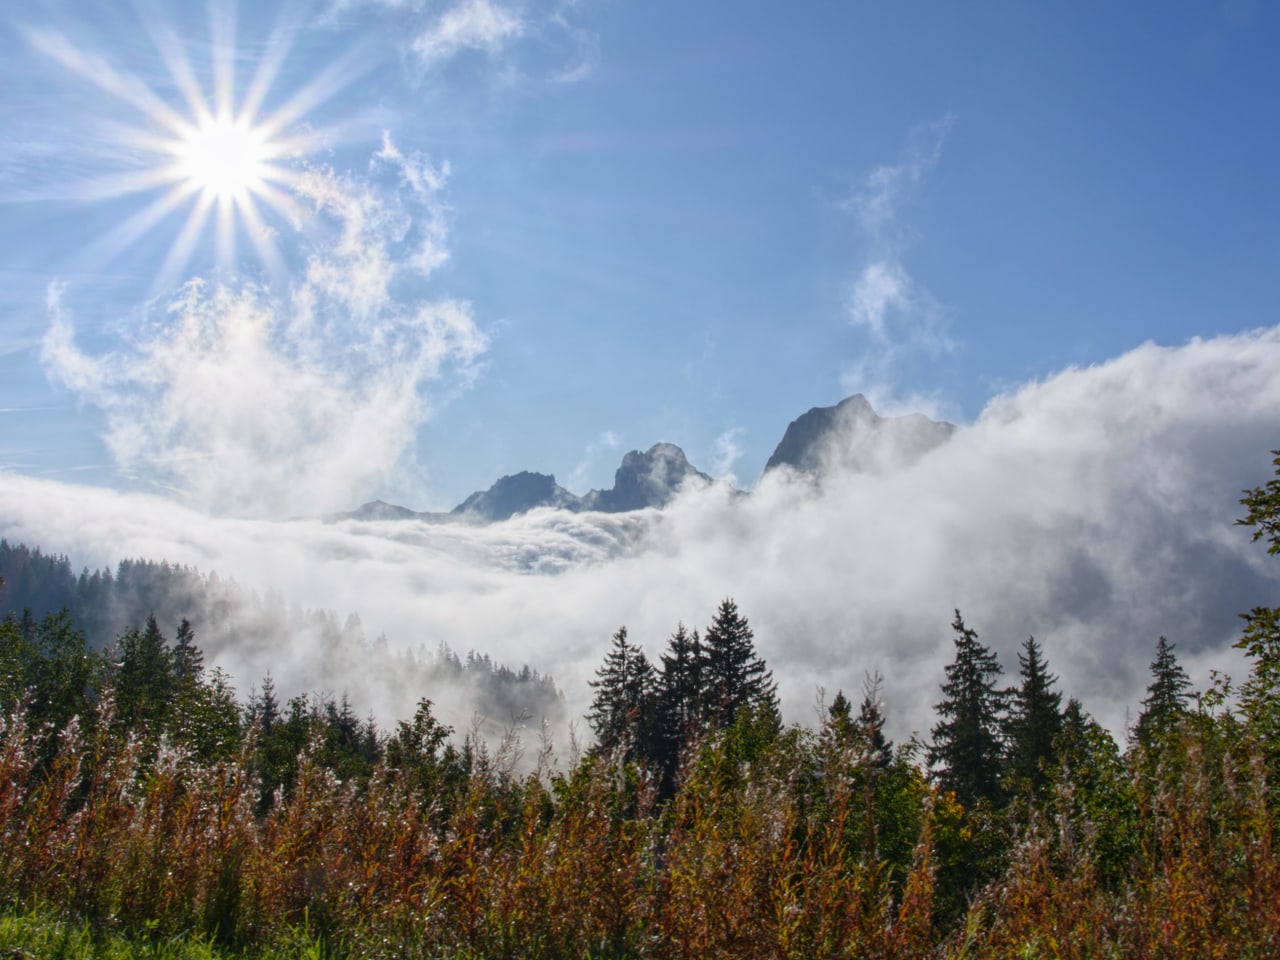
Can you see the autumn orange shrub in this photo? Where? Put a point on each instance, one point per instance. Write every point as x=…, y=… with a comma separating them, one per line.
x=769, y=852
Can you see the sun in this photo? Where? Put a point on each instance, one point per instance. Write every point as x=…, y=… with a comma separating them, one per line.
x=225, y=158
x=205, y=151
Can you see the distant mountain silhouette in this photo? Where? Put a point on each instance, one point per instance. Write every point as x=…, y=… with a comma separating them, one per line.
x=852, y=437
x=518, y=493
x=649, y=479
x=848, y=437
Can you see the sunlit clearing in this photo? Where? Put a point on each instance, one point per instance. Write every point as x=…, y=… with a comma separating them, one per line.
x=225, y=158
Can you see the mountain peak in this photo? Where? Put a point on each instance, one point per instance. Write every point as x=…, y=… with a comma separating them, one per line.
x=649, y=479
x=851, y=436
x=514, y=494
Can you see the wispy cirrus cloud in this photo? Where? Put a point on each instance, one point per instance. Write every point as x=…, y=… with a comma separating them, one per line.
x=480, y=25
x=898, y=314
x=540, y=41
x=580, y=476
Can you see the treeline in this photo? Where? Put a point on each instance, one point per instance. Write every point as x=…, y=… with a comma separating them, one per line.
x=697, y=826
x=231, y=620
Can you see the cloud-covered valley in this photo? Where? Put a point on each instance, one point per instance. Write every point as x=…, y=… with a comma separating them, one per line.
x=1093, y=509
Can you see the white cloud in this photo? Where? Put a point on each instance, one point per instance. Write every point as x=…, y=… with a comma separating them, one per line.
x=877, y=202
x=580, y=476
x=1093, y=509
x=728, y=451
x=427, y=181
x=528, y=44
x=899, y=314
x=247, y=404
x=882, y=287
x=468, y=25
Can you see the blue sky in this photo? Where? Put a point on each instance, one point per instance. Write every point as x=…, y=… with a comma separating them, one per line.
x=656, y=221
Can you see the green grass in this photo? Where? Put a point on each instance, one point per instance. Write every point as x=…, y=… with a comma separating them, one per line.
x=41, y=936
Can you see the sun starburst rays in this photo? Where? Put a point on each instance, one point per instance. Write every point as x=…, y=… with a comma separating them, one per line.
x=204, y=153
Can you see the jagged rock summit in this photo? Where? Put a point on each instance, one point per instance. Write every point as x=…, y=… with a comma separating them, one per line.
x=851, y=436
x=847, y=437
x=518, y=493
x=649, y=479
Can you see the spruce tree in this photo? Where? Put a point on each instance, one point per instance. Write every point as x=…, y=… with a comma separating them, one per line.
x=623, y=710
x=1260, y=693
x=683, y=681
x=144, y=676
x=679, y=699
x=871, y=720
x=735, y=676
x=1035, y=720
x=967, y=750
x=188, y=660
x=840, y=717
x=1167, y=696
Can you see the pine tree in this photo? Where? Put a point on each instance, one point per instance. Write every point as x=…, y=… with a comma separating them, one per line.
x=623, y=710
x=683, y=680
x=735, y=676
x=144, y=676
x=1035, y=720
x=871, y=720
x=840, y=717
x=1260, y=693
x=264, y=709
x=421, y=753
x=188, y=660
x=679, y=700
x=64, y=672
x=1167, y=696
x=967, y=748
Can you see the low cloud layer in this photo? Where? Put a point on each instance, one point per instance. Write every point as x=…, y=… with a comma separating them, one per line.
x=1093, y=509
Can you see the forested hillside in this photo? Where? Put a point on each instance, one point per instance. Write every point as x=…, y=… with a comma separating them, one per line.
x=140, y=795
x=265, y=632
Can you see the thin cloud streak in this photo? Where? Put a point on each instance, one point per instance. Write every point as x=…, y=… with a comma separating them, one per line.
x=469, y=25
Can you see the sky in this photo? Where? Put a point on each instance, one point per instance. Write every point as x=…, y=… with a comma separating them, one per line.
x=267, y=261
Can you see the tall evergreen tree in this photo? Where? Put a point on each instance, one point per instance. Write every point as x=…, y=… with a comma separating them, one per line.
x=264, y=708
x=1167, y=696
x=871, y=720
x=188, y=660
x=967, y=748
x=1260, y=693
x=65, y=674
x=623, y=709
x=683, y=681
x=840, y=717
x=679, y=700
x=144, y=676
x=421, y=752
x=1035, y=720
x=735, y=676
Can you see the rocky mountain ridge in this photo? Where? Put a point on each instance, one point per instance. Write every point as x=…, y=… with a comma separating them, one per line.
x=847, y=437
